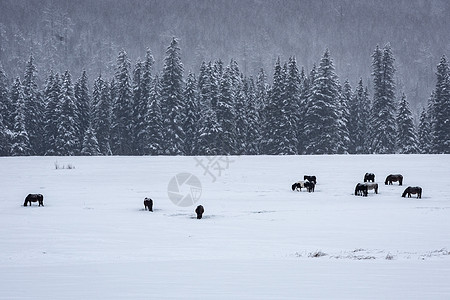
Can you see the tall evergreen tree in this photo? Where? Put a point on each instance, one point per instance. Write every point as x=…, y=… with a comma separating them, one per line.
x=20, y=145
x=322, y=122
x=344, y=116
x=358, y=123
x=33, y=107
x=424, y=133
x=5, y=115
x=67, y=142
x=253, y=122
x=154, y=143
x=192, y=115
x=90, y=143
x=383, y=129
x=83, y=107
x=121, y=128
x=172, y=106
x=406, y=131
x=52, y=92
x=441, y=109
x=226, y=116
x=137, y=103
x=101, y=115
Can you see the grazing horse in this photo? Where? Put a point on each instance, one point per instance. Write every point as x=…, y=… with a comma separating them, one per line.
x=34, y=198
x=309, y=185
x=298, y=186
x=369, y=177
x=372, y=186
x=361, y=190
x=310, y=178
x=393, y=178
x=148, y=203
x=413, y=190
x=199, y=211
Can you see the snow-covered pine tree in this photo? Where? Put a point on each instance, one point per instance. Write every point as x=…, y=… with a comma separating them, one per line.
x=253, y=122
x=261, y=98
x=304, y=90
x=172, y=106
x=346, y=95
x=441, y=109
x=52, y=92
x=290, y=109
x=241, y=117
x=34, y=108
x=5, y=115
x=101, y=115
x=137, y=103
x=272, y=113
x=20, y=144
x=67, y=142
x=154, y=121
x=192, y=115
x=141, y=103
x=424, y=133
x=226, y=116
x=358, y=125
x=83, y=107
x=121, y=130
x=406, y=131
x=383, y=126
x=90, y=143
x=322, y=121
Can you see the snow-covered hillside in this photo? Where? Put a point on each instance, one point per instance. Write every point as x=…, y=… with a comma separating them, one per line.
x=258, y=239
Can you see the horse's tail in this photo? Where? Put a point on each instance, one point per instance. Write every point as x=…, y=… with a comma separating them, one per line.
x=404, y=193
x=356, y=190
x=386, y=181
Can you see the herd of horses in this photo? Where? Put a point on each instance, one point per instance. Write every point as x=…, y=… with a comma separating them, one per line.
x=361, y=189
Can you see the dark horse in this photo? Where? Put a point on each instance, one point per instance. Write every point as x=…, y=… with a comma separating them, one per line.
x=310, y=178
x=309, y=185
x=148, y=203
x=199, y=211
x=393, y=178
x=34, y=198
x=369, y=177
x=361, y=190
x=413, y=190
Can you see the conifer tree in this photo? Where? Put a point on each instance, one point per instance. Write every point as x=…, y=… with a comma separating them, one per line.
x=358, y=125
x=192, y=115
x=137, y=104
x=33, y=108
x=383, y=129
x=67, y=142
x=441, y=109
x=101, y=115
x=344, y=116
x=52, y=92
x=226, y=116
x=154, y=142
x=406, y=131
x=172, y=106
x=121, y=128
x=83, y=106
x=6, y=107
x=90, y=143
x=20, y=144
x=322, y=122
x=253, y=122
x=424, y=133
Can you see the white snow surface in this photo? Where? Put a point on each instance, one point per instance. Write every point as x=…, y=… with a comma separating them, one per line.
x=258, y=239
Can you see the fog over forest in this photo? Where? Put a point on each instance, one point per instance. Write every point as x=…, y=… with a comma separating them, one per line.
x=86, y=34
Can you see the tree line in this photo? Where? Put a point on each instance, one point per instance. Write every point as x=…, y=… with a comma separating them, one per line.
x=220, y=111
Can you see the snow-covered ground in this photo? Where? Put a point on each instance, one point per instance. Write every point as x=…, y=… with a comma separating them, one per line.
x=258, y=239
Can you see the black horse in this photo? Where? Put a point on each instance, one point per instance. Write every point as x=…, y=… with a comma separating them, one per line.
x=298, y=186
x=394, y=178
x=361, y=190
x=34, y=198
x=413, y=190
x=199, y=211
x=369, y=177
x=309, y=185
x=310, y=178
x=148, y=204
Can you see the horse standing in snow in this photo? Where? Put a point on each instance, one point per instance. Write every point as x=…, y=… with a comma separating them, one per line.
x=369, y=177
x=394, y=178
x=361, y=190
x=413, y=190
x=311, y=178
x=298, y=186
x=34, y=198
x=372, y=186
x=199, y=211
x=148, y=204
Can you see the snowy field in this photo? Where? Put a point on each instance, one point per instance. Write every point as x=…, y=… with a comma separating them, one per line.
x=258, y=239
